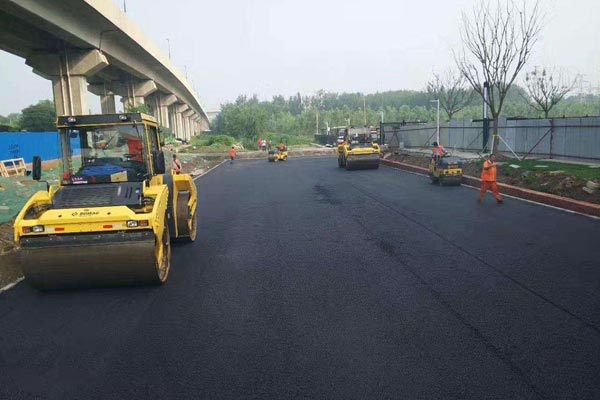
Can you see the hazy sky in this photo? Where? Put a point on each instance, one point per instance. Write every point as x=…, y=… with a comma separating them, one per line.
x=269, y=47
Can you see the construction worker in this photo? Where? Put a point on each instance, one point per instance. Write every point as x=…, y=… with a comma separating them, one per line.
x=488, y=179
x=281, y=146
x=176, y=166
x=136, y=149
x=439, y=150
x=232, y=154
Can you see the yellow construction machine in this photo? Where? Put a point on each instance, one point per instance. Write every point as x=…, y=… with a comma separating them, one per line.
x=114, y=213
x=445, y=170
x=278, y=154
x=359, y=150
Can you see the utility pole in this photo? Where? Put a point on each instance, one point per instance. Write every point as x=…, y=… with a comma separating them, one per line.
x=486, y=122
x=124, y=7
x=438, y=118
x=169, y=47
x=381, y=112
x=365, y=110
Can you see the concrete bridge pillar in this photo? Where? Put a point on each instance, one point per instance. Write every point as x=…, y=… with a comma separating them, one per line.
x=181, y=128
x=188, y=117
x=204, y=125
x=107, y=103
x=200, y=123
x=164, y=102
x=136, y=93
x=68, y=72
x=173, y=120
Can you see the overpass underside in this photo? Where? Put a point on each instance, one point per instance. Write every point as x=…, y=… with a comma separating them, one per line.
x=90, y=45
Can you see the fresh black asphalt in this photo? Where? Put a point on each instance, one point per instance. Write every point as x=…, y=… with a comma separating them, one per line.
x=308, y=281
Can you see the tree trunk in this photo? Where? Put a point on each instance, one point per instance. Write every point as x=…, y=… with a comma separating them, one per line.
x=496, y=139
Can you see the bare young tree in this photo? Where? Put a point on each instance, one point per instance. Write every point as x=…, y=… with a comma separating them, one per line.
x=452, y=90
x=546, y=88
x=498, y=41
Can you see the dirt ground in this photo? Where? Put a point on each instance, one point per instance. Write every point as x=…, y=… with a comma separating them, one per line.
x=559, y=183
x=9, y=268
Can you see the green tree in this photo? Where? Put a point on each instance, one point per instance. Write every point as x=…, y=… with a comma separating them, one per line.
x=498, y=41
x=39, y=117
x=140, y=108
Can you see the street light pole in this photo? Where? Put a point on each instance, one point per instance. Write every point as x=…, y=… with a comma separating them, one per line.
x=438, y=118
x=169, y=47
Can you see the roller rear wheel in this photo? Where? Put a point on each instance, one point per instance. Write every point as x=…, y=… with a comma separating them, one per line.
x=162, y=256
x=186, y=219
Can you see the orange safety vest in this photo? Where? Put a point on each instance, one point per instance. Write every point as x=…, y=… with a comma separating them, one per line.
x=488, y=175
x=439, y=151
x=232, y=153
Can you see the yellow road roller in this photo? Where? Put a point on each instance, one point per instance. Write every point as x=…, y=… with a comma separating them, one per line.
x=278, y=154
x=358, y=150
x=445, y=170
x=111, y=218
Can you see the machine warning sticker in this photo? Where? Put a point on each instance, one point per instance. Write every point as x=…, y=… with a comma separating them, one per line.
x=119, y=177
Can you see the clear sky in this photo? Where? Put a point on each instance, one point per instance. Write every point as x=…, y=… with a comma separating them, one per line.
x=269, y=47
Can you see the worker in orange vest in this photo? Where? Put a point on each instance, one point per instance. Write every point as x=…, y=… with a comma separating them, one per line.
x=488, y=179
x=439, y=150
x=232, y=154
x=176, y=166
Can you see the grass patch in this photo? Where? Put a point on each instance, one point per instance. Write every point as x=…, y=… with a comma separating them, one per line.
x=222, y=143
x=580, y=171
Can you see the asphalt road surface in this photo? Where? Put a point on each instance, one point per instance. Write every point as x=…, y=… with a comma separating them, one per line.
x=308, y=281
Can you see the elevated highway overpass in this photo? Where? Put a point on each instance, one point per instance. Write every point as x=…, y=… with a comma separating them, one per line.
x=91, y=45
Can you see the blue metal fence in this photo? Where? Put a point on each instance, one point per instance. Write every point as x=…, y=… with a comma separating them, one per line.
x=28, y=144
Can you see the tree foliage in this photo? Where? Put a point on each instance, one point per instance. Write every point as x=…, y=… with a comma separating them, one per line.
x=140, y=108
x=451, y=90
x=498, y=40
x=39, y=117
x=546, y=88
x=248, y=118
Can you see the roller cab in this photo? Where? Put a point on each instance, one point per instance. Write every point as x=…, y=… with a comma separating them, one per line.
x=112, y=217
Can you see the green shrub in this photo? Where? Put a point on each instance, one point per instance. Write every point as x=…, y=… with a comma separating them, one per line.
x=209, y=140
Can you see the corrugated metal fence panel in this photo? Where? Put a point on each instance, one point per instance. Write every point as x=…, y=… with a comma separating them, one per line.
x=572, y=137
x=588, y=145
x=559, y=137
x=28, y=144
x=456, y=135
